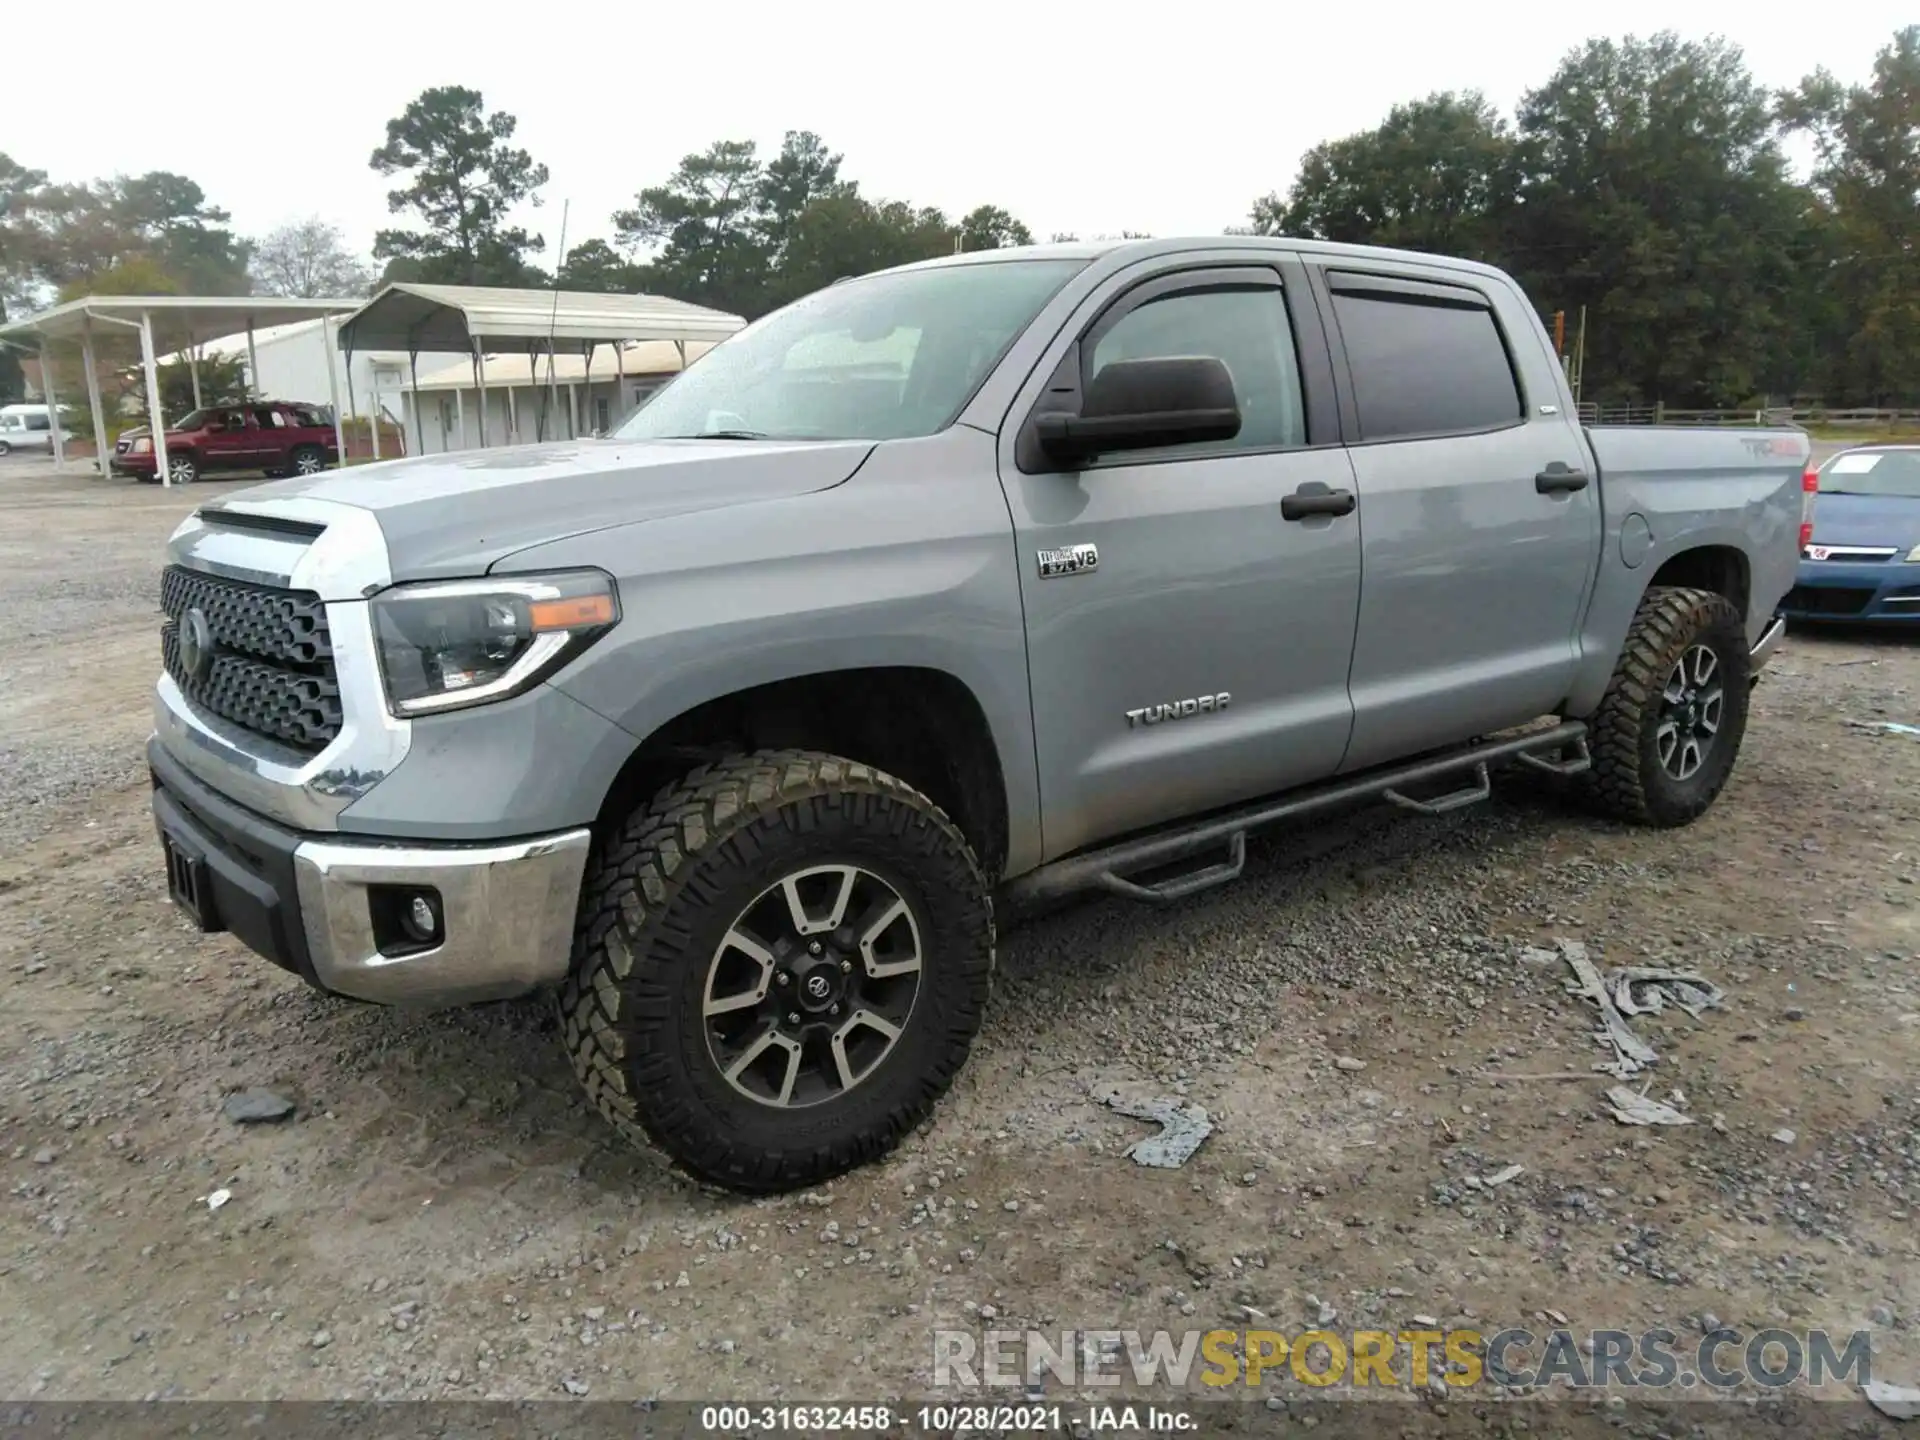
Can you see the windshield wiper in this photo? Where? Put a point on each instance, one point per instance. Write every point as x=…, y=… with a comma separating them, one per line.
x=722, y=435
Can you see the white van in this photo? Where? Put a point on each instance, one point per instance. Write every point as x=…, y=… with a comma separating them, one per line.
x=28, y=428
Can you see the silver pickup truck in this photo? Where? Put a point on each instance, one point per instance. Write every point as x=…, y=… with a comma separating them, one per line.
x=1005, y=575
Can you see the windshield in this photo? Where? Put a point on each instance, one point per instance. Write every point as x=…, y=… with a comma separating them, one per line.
x=885, y=358
x=1873, y=472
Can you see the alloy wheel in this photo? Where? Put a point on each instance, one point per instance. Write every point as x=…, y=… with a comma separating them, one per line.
x=1691, y=705
x=812, y=986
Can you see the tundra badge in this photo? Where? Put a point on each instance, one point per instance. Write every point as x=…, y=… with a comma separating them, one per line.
x=1069, y=560
x=1178, y=710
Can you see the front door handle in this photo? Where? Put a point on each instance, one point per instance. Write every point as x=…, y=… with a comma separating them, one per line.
x=1559, y=478
x=1312, y=499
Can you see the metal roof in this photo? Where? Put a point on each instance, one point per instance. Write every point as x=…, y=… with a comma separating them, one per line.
x=236, y=344
x=639, y=360
x=178, y=320
x=453, y=317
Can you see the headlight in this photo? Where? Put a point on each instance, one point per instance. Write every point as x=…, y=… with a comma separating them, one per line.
x=447, y=645
x=143, y=446
x=1913, y=556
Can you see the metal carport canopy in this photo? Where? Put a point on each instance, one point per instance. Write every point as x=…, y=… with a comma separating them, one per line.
x=471, y=318
x=459, y=317
x=167, y=323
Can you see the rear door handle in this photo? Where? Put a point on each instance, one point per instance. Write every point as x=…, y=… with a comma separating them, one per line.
x=1312, y=499
x=1559, y=477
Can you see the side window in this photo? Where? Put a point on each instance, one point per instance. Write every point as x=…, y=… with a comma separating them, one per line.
x=1425, y=365
x=266, y=417
x=1248, y=330
x=38, y=422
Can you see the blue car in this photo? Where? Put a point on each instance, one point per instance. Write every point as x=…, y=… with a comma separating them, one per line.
x=1863, y=561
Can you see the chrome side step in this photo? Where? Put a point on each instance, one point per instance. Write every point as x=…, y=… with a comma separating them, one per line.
x=1558, y=750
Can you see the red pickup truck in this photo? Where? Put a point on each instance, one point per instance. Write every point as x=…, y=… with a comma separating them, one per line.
x=267, y=435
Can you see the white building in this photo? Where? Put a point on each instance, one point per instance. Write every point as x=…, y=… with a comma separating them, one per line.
x=592, y=398
x=293, y=366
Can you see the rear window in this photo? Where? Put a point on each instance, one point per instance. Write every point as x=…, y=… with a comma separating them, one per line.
x=1424, y=366
x=1873, y=472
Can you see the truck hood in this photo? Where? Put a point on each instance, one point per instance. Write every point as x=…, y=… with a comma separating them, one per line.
x=454, y=515
x=1868, y=520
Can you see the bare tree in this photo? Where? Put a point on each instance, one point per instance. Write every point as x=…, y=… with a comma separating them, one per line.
x=309, y=259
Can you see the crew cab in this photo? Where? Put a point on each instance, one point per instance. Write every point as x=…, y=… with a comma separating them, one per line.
x=989, y=578
x=268, y=436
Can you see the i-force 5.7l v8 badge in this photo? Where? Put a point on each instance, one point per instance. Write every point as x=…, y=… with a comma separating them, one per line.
x=1069, y=560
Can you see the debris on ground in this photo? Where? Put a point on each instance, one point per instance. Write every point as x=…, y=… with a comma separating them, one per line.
x=1885, y=727
x=1896, y=1402
x=1501, y=1177
x=1631, y=1054
x=1184, y=1129
x=1638, y=990
x=256, y=1107
x=1632, y=1108
x=216, y=1199
x=1634, y=990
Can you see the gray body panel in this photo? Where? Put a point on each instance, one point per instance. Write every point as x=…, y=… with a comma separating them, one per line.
x=908, y=564
x=1453, y=601
x=1688, y=488
x=447, y=516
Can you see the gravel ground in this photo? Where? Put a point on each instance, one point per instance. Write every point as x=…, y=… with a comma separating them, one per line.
x=441, y=1216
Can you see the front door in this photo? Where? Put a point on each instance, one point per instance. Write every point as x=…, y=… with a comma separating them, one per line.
x=1187, y=642
x=1482, y=526
x=232, y=442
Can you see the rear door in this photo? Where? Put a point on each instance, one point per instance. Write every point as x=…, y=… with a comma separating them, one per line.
x=1187, y=642
x=1482, y=527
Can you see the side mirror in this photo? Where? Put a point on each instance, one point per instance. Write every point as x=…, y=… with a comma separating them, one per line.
x=1143, y=404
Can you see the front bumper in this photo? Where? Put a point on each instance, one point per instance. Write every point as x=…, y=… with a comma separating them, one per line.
x=1876, y=592
x=313, y=905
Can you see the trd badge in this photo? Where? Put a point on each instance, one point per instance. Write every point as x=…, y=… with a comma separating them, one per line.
x=1071, y=560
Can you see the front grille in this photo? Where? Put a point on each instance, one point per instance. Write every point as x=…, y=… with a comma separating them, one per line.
x=1827, y=599
x=270, y=668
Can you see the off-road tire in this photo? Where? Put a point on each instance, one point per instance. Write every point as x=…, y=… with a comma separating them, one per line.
x=1628, y=781
x=661, y=890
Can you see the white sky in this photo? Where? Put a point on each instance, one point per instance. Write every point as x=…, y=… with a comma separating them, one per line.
x=1164, y=118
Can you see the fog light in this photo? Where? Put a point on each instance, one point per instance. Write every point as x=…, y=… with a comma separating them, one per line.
x=420, y=920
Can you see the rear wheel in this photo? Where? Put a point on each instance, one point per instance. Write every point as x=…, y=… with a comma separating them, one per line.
x=5, y=449
x=308, y=460
x=780, y=965
x=1670, y=724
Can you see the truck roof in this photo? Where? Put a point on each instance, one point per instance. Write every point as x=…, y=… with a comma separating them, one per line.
x=1147, y=249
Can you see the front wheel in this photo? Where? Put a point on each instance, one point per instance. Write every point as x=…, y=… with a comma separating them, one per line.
x=182, y=469
x=1670, y=724
x=780, y=965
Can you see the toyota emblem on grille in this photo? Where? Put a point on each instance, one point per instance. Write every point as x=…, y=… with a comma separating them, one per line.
x=196, y=643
